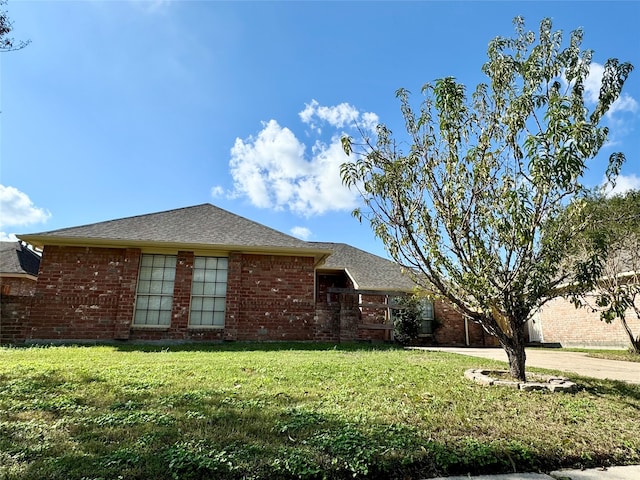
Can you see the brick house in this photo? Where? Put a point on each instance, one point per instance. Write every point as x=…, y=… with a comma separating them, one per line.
x=18, y=274
x=204, y=274
x=560, y=322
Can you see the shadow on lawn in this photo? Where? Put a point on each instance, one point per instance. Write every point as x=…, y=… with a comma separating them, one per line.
x=256, y=347
x=628, y=393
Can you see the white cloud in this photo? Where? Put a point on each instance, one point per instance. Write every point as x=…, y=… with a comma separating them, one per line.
x=8, y=237
x=276, y=170
x=301, y=232
x=339, y=116
x=592, y=84
x=17, y=209
x=217, y=191
x=624, y=183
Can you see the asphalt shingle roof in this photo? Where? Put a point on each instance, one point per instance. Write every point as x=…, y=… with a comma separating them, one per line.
x=15, y=258
x=209, y=226
x=368, y=271
x=205, y=225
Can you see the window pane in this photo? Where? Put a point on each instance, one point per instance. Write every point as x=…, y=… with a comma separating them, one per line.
x=207, y=318
x=199, y=262
x=219, y=304
x=140, y=317
x=211, y=263
x=218, y=318
x=154, y=303
x=145, y=273
x=207, y=304
x=196, y=303
x=147, y=261
x=165, y=303
x=197, y=289
x=164, y=318
x=195, y=318
x=155, y=286
x=209, y=288
x=221, y=289
x=198, y=275
x=222, y=276
x=142, y=303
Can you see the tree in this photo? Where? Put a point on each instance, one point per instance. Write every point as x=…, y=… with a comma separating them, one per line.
x=613, y=233
x=7, y=43
x=471, y=208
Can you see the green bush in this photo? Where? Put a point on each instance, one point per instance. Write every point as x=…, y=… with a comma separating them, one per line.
x=407, y=320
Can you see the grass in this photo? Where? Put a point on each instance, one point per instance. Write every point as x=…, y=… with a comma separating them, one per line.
x=292, y=411
x=623, y=355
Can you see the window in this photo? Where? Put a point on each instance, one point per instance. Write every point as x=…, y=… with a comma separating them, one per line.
x=155, y=290
x=208, y=292
x=426, y=317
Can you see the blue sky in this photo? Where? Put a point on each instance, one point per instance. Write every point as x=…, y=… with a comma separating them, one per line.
x=120, y=108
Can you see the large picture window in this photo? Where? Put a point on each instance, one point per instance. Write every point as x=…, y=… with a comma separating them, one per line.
x=208, y=292
x=155, y=290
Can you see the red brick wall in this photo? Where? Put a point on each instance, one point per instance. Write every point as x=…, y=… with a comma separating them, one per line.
x=89, y=294
x=270, y=297
x=14, y=313
x=451, y=330
x=563, y=323
x=374, y=316
x=83, y=293
x=17, y=286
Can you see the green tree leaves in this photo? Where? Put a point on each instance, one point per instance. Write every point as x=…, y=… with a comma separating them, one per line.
x=471, y=206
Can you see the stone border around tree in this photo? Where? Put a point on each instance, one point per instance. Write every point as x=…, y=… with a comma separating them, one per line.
x=551, y=383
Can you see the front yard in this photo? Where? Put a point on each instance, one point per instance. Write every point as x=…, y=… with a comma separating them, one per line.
x=292, y=411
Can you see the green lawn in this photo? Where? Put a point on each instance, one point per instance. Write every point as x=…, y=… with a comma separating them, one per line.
x=291, y=411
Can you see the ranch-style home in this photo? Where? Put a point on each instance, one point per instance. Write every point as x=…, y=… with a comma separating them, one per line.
x=205, y=274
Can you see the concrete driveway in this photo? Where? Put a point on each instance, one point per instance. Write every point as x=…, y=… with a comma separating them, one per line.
x=571, y=362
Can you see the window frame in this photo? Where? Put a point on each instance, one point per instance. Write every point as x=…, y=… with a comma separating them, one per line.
x=217, y=293
x=166, y=275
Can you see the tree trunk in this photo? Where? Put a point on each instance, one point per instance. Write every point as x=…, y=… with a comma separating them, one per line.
x=517, y=358
x=635, y=342
x=514, y=346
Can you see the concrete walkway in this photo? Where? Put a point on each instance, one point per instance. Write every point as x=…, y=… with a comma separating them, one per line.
x=571, y=362
x=612, y=473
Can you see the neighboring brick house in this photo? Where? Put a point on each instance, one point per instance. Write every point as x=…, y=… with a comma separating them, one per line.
x=18, y=274
x=204, y=274
x=560, y=322
x=18, y=269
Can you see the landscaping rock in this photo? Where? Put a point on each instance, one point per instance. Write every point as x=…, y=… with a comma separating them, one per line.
x=539, y=382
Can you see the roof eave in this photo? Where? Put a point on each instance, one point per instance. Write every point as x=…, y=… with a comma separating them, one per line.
x=39, y=241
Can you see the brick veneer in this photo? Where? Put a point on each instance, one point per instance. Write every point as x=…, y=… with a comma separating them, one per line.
x=84, y=293
x=270, y=297
x=18, y=286
x=88, y=293
x=14, y=312
x=563, y=323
